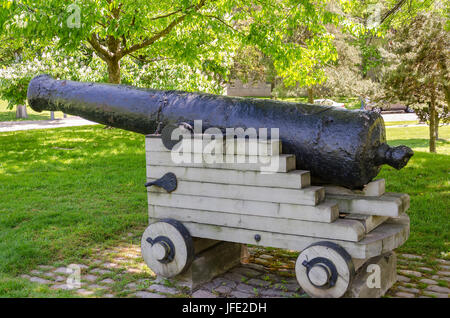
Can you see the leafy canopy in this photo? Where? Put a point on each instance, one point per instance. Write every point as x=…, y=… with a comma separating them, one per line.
x=201, y=34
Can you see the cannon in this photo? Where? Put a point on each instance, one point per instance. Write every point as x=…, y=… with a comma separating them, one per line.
x=337, y=146
x=202, y=214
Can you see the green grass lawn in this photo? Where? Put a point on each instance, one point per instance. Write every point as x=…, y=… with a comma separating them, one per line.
x=426, y=180
x=66, y=191
x=10, y=114
x=56, y=204
x=404, y=122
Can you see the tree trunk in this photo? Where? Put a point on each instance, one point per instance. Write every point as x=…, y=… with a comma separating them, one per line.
x=436, y=125
x=310, y=95
x=113, y=74
x=432, y=127
x=272, y=87
x=114, y=71
x=21, y=111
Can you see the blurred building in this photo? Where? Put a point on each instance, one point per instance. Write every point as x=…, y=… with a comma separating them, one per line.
x=256, y=89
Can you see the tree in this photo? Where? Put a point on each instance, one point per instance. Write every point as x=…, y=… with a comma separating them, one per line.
x=200, y=34
x=419, y=76
x=358, y=68
x=345, y=77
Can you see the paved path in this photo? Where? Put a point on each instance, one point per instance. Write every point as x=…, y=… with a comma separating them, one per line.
x=77, y=121
x=42, y=124
x=121, y=272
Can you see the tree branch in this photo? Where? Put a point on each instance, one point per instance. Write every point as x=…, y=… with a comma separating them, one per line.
x=170, y=14
x=101, y=24
x=392, y=11
x=154, y=38
x=221, y=21
x=149, y=60
x=159, y=35
x=100, y=49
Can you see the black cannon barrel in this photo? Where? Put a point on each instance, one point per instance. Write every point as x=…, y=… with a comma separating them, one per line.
x=337, y=146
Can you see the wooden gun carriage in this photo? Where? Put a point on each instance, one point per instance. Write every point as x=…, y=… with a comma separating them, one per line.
x=336, y=230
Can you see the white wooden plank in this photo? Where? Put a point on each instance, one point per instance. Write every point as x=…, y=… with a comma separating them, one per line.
x=386, y=205
x=375, y=188
x=398, y=238
x=295, y=179
x=337, y=190
x=404, y=197
x=307, y=196
x=324, y=212
x=392, y=233
x=277, y=240
x=370, y=246
x=370, y=222
x=281, y=163
x=269, y=147
x=341, y=229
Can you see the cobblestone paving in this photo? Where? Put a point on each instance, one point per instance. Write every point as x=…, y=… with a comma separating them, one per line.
x=120, y=272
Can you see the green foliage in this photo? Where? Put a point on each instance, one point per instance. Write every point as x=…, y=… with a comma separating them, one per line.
x=423, y=112
x=251, y=65
x=361, y=45
x=196, y=35
x=370, y=54
x=14, y=88
x=14, y=78
x=419, y=64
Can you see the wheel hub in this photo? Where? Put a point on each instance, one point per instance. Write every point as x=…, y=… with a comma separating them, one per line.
x=162, y=249
x=319, y=275
x=321, y=272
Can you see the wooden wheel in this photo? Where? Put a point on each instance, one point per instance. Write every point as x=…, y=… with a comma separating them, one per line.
x=324, y=270
x=167, y=247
